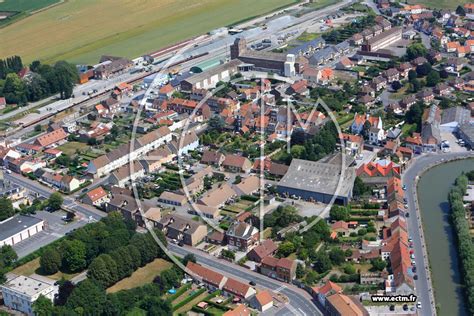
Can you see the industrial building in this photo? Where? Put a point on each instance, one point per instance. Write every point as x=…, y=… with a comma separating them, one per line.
x=317, y=181
x=267, y=61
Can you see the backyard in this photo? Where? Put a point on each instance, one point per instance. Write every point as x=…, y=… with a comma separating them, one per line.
x=86, y=29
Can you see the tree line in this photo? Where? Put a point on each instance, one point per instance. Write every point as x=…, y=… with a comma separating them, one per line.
x=43, y=81
x=465, y=246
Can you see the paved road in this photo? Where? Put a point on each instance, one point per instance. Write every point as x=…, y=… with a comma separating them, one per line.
x=300, y=301
x=423, y=284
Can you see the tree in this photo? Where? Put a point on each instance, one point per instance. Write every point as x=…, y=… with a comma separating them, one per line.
x=50, y=261
x=416, y=50
x=378, y=264
x=14, y=89
x=423, y=69
x=366, y=129
x=460, y=10
x=37, y=88
x=55, y=201
x=297, y=151
x=362, y=232
x=43, y=306
x=360, y=188
x=65, y=289
x=7, y=256
x=339, y=213
x=189, y=258
x=299, y=271
x=322, y=262
x=88, y=298
x=73, y=256
x=433, y=78
x=337, y=256
x=6, y=208
x=415, y=85
x=229, y=254
x=216, y=123
x=396, y=85
x=285, y=249
x=349, y=269
x=412, y=75
x=63, y=160
x=414, y=114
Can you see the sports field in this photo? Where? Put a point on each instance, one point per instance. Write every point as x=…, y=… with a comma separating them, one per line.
x=82, y=30
x=441, y=4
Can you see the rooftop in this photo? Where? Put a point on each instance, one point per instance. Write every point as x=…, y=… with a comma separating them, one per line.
x=16, y=224
x=318, y=177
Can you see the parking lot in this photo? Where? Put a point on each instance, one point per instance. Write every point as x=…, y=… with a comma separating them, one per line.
x=54, y=228
x=453, y=145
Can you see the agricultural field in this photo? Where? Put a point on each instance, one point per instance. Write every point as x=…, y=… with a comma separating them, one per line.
x=439, y=4
x=14, y=10
x=81, y=31
x=25, y=5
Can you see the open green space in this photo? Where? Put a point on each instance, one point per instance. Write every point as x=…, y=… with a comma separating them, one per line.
x=141, y=276
x=86, y=29
x=33, y=267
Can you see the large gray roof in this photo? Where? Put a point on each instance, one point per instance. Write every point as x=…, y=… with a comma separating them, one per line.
x=319, y=177
x=16, y=224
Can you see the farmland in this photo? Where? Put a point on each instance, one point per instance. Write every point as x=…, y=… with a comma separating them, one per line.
x=14, y=10
x=82, y=30
x=25, y=5
x=439, y=4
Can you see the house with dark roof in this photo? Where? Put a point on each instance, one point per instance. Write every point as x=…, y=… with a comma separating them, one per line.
x=182, y=229
x=242, y=236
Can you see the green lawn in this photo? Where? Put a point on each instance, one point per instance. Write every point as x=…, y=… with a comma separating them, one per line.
x=86, y=29
x=33, y=267
x=70, y=148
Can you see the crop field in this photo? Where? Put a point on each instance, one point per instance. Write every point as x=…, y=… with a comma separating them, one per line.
x=81, y=31
x=441, y=4
x=25, y=5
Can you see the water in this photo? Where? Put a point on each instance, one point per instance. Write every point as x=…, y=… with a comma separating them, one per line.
x=433, y=190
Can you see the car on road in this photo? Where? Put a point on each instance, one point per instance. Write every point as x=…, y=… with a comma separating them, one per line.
x=405, y=307
x=181, y=244
x=413, y=269
x=252, y=283
x=404, y=187
x=418, y=305
x=415, y=277
x=392, y=308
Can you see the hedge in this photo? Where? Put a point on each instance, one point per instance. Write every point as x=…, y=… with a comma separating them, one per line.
x=179, y=292
x=188, y=299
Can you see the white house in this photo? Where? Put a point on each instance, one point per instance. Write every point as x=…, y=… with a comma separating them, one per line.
x=20, y=292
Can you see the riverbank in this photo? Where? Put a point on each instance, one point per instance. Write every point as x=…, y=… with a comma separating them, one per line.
x=433, y=184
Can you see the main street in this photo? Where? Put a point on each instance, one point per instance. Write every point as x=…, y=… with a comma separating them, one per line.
x=423, y=285
x=300, y=301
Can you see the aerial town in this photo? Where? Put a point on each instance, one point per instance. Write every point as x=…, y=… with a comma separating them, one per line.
x=270, y=167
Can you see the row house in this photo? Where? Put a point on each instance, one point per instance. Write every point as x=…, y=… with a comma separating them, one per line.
x=122, y=155
x=216, y=281
x=182, y=229
x=282, y=269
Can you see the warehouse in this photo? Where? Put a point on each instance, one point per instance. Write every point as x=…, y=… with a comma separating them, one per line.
x=264, y=60
x=209, y=78
x=317, y=181
x=18, y=228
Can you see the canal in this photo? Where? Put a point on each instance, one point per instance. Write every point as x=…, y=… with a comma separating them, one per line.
x=433, y=189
